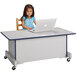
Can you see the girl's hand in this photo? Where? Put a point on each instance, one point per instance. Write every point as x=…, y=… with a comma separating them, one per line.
x=30, y=28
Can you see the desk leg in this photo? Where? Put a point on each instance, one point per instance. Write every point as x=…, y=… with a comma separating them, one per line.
x=14, y=67
x=68, y=54
x=11, y=53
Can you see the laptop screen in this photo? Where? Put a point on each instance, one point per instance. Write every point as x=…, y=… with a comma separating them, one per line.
x=45, y=25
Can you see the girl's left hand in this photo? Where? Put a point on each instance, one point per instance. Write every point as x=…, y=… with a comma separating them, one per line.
x=30, y=28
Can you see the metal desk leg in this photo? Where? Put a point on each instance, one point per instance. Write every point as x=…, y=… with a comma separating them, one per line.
x=68, y=54
x=10, y=56
x=14, y=67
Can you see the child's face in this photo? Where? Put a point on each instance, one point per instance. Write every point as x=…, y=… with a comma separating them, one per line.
x=29, y=12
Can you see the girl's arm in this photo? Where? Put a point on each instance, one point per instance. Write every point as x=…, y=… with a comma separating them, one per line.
x=35, y=22
x=24, y=26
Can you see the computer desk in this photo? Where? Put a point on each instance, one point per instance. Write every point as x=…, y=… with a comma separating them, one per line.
x=25, y=46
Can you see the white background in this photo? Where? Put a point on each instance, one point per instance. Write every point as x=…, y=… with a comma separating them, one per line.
x=64, y=11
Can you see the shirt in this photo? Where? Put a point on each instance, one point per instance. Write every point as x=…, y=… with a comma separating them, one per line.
x=29, y=22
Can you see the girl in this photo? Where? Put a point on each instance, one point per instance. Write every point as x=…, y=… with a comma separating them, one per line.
x=28, y=17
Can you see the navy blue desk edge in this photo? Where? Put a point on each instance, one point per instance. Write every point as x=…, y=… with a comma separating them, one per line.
x=37, y=37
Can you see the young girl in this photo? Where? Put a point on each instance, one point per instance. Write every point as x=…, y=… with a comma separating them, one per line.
x=28, y=17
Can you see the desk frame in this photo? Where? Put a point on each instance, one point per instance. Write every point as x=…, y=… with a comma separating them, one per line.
x=13, y=59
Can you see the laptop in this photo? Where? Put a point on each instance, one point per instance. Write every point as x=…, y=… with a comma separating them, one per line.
x=44, y=25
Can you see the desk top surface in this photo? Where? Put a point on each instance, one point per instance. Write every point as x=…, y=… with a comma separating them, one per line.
x=25, y=34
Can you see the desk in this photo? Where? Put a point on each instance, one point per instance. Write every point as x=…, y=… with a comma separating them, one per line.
x=25, y=46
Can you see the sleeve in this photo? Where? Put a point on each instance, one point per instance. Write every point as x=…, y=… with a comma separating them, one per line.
x=23, y=18
x=33, y=18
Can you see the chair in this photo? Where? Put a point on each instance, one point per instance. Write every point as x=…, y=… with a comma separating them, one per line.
x=17, y=24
